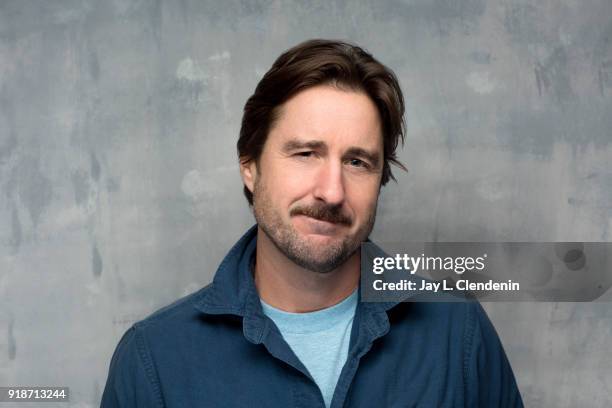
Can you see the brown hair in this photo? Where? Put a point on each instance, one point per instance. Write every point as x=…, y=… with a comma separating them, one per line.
x=317, y=62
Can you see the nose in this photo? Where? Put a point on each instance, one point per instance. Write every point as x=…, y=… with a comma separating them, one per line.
x=329, y=183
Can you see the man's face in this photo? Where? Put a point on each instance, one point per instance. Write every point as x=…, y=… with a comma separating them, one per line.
x=316, y=184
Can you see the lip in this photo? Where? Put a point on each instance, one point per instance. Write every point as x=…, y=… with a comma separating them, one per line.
x=315, y=226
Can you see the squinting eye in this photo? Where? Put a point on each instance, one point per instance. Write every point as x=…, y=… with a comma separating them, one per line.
x=304, y=154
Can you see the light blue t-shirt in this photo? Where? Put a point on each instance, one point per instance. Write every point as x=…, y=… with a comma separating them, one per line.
x=319, y=339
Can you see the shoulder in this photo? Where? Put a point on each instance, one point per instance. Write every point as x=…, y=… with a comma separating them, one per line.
x=465, y=320
x=461, y=334
x=458, y=315
x=456, y=329
x=171, y=318
x=175, y=314
x=133, y=372
x=133, y=377
x=147, y=338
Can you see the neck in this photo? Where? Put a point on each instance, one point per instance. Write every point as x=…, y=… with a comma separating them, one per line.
x=289, y=287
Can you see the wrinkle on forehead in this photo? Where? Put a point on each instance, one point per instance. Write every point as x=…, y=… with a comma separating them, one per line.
x=307, y=116
x=280, y=110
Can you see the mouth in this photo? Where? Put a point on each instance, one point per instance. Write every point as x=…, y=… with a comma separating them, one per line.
x=316, y=226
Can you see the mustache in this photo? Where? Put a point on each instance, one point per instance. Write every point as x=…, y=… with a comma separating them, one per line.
x=323, y=212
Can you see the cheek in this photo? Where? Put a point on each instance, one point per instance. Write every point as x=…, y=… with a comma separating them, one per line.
x=285, y=188
x=364, y=198
x=295, y=178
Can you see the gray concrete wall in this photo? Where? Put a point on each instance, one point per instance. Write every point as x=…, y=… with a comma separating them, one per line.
x=120, y=189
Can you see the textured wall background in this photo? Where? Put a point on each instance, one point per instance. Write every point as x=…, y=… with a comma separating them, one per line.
x=120, y=189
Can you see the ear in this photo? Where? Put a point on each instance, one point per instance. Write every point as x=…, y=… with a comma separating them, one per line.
x=248, y=172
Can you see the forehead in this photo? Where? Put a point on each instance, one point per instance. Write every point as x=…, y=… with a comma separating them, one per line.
x=340, y=118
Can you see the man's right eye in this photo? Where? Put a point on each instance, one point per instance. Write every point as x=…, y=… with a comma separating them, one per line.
x=307, y=153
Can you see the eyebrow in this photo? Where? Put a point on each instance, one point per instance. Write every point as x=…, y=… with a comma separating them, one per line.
x=295, y=144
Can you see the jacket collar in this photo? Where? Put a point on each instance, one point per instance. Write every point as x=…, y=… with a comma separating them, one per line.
x=233, y=282
x=233, y=292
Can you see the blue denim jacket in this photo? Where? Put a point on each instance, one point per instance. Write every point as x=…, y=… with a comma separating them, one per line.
x=216, y=348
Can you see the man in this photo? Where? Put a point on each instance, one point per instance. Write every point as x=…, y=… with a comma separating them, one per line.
x=281, y=325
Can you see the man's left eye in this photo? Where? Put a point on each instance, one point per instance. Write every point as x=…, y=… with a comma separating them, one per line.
x=357, y=163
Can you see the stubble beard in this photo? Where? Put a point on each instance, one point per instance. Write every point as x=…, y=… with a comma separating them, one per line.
x=299, y=249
